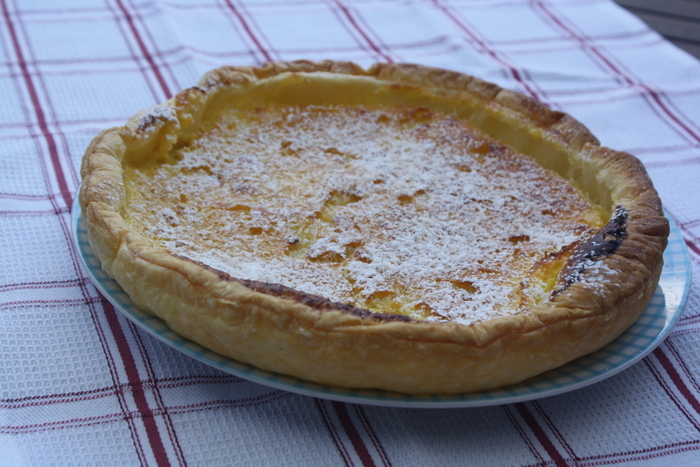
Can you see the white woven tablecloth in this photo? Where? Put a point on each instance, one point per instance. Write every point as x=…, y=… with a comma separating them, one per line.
x=81, y=385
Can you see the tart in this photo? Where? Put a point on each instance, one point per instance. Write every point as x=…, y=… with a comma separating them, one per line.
x=400, y=227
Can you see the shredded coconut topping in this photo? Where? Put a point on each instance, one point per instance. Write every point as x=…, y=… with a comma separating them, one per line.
x=394, y=209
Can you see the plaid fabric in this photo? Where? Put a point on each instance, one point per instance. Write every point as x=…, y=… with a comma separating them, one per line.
x=80, y=384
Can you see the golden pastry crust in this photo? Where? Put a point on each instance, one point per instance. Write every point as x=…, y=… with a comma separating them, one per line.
x=604, y=287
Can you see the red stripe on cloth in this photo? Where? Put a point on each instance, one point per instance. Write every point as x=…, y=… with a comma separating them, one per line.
x=40, y=285
x=676, y=379
x=98, y=317
x=586, y=45
x=342, y=411
x=540, y=435
x=641, y=454
x=45, y=303
x=682, y=366
x=671, y=114
x=157, y=53
x=38, y=111
x=69, y=397
x=555, y=431
x=160, y=403
x=47, y=212
x=134, y=381
x=48, y=399
x=692, y=246
x=373, y=436
x=119, y=417
x=346, y=12
x=332, y=432
x=689, y=224
x=132, y=58
x=583, y=43
x=507, y=410
x=144, y=50
x=27, y=197
x=249, y=31
x=482, y=44
x=673, y=395
x=70, y=423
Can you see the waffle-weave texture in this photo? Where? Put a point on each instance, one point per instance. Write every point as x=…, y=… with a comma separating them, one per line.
x=82, y=385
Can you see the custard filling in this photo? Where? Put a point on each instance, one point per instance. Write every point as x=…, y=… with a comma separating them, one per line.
x=393, y=209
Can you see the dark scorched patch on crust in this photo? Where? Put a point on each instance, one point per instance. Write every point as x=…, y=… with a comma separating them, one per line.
x=603, y=243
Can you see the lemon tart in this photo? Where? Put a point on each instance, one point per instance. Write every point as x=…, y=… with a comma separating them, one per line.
x=402, y=227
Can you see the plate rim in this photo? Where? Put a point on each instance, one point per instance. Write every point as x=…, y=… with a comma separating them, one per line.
x=382, y=398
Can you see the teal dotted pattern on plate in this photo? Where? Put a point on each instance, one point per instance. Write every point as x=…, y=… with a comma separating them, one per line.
x=634, y=344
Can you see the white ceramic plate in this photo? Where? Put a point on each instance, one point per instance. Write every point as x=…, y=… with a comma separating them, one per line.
x=638, y=341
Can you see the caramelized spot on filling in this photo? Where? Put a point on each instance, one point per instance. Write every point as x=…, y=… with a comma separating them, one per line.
x=465, y=285
x=518, y=238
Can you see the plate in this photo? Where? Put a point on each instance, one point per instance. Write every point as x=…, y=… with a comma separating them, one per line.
x=640, y=339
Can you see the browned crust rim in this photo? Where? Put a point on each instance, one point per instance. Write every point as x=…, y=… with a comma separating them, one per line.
x=637, y=251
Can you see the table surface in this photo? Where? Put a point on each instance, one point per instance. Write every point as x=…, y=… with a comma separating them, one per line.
x=677, y=20
x=82, y=385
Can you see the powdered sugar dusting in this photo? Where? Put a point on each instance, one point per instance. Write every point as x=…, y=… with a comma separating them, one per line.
x=393, y=209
